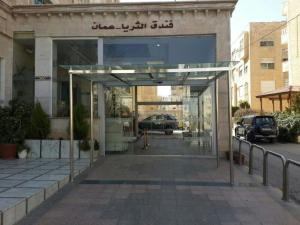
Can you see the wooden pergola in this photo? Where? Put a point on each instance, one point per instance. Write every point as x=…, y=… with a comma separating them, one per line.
x=285, y=93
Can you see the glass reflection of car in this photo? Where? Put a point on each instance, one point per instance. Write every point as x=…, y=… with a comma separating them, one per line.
x=254, y=127
x=161, y=122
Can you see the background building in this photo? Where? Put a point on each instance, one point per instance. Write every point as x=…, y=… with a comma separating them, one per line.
x=260, y=54
x=292, y=13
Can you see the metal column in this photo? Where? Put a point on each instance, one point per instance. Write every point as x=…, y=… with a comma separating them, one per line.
x=136, y=109
x=71, y=155
x=230, y=128
x=216, y=122
x=92, y=126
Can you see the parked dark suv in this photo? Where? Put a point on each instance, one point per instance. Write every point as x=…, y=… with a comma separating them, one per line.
x=160, y=122
x=257, y=127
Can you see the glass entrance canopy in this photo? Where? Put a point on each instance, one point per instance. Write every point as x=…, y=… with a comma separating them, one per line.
x=151, y=75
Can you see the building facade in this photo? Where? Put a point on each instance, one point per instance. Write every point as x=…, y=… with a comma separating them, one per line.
x=261, y=54
x=37, y=38
x=292, y=13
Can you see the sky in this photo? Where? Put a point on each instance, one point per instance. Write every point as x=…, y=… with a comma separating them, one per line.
x=247, y=11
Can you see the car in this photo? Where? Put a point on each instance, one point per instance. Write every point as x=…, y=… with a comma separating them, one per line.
x=159, y=122
x=255, y=127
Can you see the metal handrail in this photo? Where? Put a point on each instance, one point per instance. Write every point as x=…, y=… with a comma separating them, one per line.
x=265, y=169
x=254, y=146
x=286, y=191
x=240, y=149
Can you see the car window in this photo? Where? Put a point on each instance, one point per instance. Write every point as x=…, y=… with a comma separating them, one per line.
x=160, y=117
x=153, y=117
x=170, y=117
x=148, y=118
x=261, y=121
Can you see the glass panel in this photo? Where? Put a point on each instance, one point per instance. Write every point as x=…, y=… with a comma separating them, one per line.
x=206, y=120
x=23, y=69
x=77, y=52
x=119, y=121
x=160, y=50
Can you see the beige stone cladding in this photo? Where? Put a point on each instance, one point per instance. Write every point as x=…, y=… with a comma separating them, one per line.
x=293, y=18
x=6, y=52
x=258, y=55
x=188, y=18
x=257, y=50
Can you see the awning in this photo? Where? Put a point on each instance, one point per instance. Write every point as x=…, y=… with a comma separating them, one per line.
x=280, y=93
x=150, y=75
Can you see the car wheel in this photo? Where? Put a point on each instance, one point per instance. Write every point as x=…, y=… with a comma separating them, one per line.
x=250, y=137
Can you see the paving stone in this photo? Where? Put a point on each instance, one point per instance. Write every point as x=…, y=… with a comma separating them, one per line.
x=13, y=210
x=50, y=187
x=21, y=177
x=9, y=183
x=62, y=179
x=35, y=172
x=3, y=175
x=3, y=189
x=34, y=196
x=11, y=171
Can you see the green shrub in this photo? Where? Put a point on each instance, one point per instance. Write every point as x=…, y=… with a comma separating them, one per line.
x=288, y=126
x=14, y=120
x=244, y=105
x=81, y=126
x=39, y=127
x=234, y=109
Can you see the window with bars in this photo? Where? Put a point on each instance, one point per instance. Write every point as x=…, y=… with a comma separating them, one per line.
x=266, y=43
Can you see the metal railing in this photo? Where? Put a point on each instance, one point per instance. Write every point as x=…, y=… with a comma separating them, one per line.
x=265, y=153
x=286, y=194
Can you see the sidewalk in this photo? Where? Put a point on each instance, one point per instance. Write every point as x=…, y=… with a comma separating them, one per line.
x=145, y=190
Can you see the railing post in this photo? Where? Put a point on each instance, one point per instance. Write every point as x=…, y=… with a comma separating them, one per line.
x=251, y=160
x=265, y=169
x=286, y=188
x=240, y=152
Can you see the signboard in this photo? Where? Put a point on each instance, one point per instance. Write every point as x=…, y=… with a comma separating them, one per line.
x=153, y=25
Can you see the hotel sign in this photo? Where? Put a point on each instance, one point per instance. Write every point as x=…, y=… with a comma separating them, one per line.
x=154, y=25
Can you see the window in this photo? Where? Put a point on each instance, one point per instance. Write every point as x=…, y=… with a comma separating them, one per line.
x=246, y=69
x=268, y=66
x=1, y=78
x=165, y=50
x=267, y=85
x=241, y=71
x=246, y=92
x=266, y=43
x=41, y=2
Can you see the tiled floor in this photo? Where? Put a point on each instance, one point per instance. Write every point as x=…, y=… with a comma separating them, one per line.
x=150, y=190
x=25, y=184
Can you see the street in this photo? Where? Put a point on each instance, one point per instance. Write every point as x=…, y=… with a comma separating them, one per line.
x=290, y=151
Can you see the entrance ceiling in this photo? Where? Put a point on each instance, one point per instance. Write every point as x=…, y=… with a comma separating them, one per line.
x=151, y=75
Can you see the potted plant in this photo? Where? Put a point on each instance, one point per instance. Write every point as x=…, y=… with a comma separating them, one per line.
x=23, y=151
x=13, y=121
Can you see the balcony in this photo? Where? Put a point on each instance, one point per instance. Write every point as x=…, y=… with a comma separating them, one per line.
x=284, y=36
x=285, y=66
